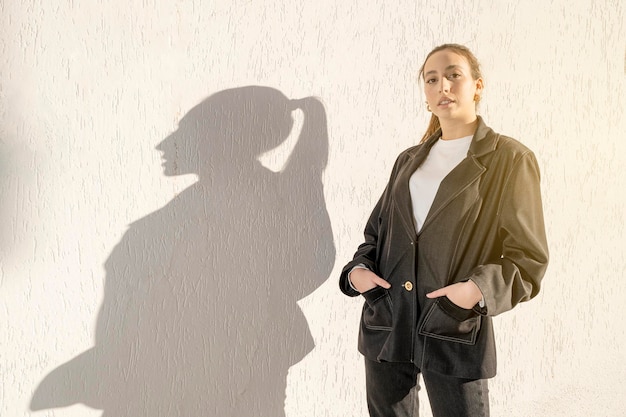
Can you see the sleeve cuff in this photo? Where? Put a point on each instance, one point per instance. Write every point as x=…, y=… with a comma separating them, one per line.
x=481, y=303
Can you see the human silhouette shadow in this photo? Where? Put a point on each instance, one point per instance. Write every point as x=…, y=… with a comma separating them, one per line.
x=199, y=316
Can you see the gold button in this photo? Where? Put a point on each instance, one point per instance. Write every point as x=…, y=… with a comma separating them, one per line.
x=408, y=285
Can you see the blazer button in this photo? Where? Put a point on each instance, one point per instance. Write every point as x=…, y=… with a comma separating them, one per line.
x=408, y=286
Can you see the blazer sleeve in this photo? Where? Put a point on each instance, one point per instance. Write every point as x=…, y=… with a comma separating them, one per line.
x=366, y=253
x=517, y=276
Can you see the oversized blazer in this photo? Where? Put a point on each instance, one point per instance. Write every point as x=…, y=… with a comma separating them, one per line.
x=485, y=224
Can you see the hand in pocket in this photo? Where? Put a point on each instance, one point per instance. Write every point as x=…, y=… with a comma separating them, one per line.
x=464, y=294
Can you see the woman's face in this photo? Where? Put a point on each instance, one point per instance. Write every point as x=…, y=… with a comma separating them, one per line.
x=450, y=87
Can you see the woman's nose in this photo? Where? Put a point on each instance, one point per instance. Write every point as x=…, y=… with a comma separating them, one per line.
x=444, y=86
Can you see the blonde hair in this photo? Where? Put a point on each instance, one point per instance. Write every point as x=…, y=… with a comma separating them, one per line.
x=474, y=65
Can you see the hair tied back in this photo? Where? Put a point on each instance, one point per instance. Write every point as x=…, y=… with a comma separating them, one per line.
x=296, y=104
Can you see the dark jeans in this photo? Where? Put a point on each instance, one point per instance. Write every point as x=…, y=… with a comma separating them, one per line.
x=392, y=392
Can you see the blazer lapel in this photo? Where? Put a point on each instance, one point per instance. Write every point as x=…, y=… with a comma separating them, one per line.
x=464, y=174
x=457, y=181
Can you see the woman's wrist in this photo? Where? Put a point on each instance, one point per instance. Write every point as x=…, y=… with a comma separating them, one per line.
x=359, y=266
x=480, y=299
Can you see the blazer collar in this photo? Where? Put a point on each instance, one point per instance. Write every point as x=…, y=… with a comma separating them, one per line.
x=484, y=140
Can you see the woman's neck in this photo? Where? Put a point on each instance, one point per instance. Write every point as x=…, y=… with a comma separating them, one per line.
x=454, y=129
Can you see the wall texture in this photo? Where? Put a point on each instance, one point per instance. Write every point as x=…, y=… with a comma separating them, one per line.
x=135, y=280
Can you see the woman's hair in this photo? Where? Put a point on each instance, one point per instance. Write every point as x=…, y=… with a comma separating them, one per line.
x=434, y=124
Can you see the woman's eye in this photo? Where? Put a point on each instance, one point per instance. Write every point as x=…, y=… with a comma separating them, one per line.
x=453, y=76
x=430, y=81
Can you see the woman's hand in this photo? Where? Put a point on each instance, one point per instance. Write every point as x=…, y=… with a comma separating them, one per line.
x=364, y=280
x=463, y=294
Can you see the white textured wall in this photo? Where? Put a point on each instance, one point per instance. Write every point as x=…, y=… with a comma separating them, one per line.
x=88, y=89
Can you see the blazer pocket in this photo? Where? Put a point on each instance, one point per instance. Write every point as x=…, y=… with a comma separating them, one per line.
x=447, y=321
x=377, y=309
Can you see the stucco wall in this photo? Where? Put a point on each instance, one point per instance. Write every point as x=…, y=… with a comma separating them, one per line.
x=125, y=287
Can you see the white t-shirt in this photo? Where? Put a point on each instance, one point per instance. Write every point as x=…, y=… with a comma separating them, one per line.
x=424, y=183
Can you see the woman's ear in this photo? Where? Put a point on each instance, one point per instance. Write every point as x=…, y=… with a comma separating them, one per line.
x=479, y=86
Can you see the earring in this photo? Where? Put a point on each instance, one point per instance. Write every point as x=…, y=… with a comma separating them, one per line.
x=476, y=98
x=428, y=107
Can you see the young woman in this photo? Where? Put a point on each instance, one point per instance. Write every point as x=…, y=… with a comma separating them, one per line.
x=456, y=238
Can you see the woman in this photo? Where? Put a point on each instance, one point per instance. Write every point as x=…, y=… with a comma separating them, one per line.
x=456, y=238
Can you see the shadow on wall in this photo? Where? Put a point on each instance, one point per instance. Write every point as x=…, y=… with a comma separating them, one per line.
x=199, y=316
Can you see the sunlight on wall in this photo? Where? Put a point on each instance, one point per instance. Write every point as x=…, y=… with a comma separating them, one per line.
x=87, y=91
